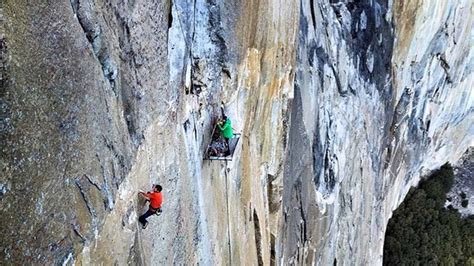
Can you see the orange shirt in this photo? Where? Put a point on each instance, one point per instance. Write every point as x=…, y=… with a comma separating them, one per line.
x=156, y=198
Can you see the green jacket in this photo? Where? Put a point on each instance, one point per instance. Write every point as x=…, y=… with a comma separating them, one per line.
x=226, y=129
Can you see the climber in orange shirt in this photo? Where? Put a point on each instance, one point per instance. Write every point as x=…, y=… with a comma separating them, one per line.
x=156, y=199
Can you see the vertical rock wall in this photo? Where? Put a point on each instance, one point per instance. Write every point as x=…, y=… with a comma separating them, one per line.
x=82, y=81
x=340, y=105
x=240, y=56
x=103, y=98
x=215, y=212
x=383, y=94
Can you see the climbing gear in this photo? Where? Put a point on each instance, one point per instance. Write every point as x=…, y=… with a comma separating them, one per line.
x=158, y=212
x=154, y=209
x=220, y=148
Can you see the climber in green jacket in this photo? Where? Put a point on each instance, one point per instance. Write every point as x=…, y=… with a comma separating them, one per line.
x=225, y=128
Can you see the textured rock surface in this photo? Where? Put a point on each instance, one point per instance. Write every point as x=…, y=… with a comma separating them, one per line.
x=80, y=88
x=374, y=108
x=461, y=196
x=341, y=107
x=127, y=120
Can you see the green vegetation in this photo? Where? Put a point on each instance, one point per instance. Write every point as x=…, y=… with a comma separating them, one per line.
x=423, y=232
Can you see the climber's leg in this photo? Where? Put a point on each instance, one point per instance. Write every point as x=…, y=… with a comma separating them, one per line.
x=142, y=218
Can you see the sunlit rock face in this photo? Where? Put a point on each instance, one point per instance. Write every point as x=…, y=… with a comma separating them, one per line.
x=341, y=106
x=240, y=56
x=103, y=98
x=383, y=93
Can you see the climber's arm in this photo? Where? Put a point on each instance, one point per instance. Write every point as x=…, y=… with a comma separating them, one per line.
x=143, y=194
x=225, y=126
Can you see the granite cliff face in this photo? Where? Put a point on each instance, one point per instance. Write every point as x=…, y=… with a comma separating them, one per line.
x=383, y=94
x=80, y=90
x=341, y=105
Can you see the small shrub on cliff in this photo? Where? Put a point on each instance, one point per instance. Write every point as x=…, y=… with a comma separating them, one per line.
x=423, y=232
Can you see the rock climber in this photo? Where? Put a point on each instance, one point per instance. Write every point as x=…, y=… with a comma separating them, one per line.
x=225, y=127
x=156, y=199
